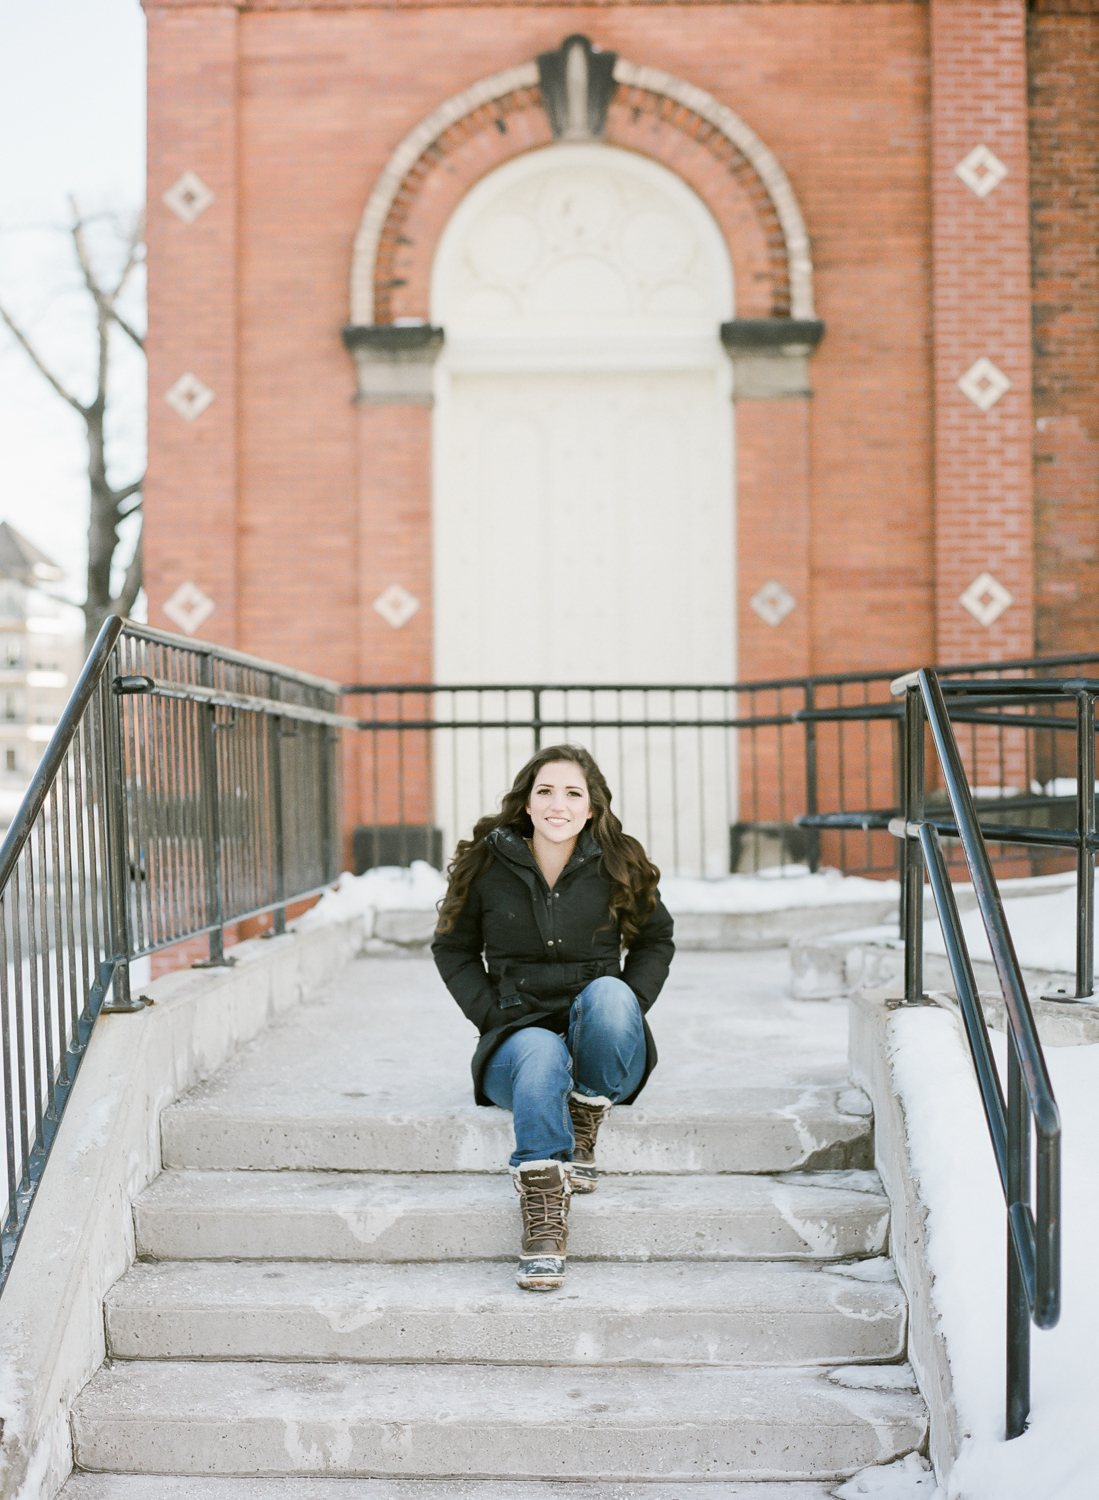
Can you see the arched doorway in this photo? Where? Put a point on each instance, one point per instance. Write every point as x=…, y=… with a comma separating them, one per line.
x=583, y=490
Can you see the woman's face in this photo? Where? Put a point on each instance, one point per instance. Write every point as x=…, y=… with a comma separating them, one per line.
x=559, y=804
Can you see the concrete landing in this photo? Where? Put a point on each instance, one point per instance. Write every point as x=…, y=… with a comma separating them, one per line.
x=377, y=1079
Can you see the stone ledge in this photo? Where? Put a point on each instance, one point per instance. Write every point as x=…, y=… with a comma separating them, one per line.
x=770, y=356
x=872, y=1070
x=79, y=1237
x=395, y=362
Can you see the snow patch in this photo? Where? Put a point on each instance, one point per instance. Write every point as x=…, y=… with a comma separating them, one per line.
x=879, y=1269
x=421, y=887
x=1043, y=929
x=874, y=1378
x=1057, y=1458
x=910, y=1478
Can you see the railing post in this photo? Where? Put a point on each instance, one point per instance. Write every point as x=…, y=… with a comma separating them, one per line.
x=913, y=853
x=112, y=706
x=811, y=803
x=274, y=782
x=1018, y=1191
x=211, y=828
x=536, y=722
x=1085, y=855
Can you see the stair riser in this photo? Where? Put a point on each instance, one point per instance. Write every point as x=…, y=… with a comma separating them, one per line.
x=817, y=1141
x=752, y=1448
x=492, y=1233
x=753, y=1337
x=153, y=1487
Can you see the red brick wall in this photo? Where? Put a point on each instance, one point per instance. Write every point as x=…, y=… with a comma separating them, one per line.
x=838, y=91
x=981, y=307
x=1063, y=62
x=191, y=492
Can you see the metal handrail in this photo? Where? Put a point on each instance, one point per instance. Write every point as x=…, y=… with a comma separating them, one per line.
x=1034, y=1246
x=185, y=787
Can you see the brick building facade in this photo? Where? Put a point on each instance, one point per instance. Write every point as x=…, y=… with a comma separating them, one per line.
x=903, y=194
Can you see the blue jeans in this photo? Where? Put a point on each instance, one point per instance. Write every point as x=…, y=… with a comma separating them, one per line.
x=533, y=1072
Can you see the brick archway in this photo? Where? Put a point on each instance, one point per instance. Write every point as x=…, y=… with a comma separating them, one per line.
x=651, y=113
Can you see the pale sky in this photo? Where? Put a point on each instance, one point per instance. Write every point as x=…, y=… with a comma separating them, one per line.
x=72, y=120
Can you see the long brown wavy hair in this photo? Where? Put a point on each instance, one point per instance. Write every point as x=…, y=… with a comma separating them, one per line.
x=634, y=877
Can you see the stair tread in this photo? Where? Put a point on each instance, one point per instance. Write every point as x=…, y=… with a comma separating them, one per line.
x=465, y=1420
x=767, y=1313
x=473, y=1216
x=756, y=1286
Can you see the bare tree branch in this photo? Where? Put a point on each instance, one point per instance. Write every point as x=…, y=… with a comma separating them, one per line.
x=108, y=508
x=104, y=300
x=130, y=489
x=130, y=332
x=131, y=586
x=32, y=354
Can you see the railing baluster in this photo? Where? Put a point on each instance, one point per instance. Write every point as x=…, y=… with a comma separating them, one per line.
x=1085, y=854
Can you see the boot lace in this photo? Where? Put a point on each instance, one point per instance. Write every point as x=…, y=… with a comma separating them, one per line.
x=545, y=1211
x=586, y=1120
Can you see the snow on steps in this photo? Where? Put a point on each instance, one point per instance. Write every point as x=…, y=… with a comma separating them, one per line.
x=723, y=913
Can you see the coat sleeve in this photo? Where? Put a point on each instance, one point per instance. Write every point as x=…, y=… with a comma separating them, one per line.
x=457, y=955
x=650, y=956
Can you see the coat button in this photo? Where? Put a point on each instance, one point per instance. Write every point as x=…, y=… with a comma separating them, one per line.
x=550, y=943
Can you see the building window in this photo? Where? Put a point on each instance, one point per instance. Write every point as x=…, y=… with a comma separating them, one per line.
x=10, y=762
x=11, y=707
x=12, y=653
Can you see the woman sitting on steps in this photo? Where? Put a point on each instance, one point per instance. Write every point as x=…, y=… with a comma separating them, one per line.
x=540, y=905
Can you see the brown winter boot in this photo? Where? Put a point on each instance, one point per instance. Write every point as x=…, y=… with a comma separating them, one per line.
x=544, y=1189
x=587, y=1113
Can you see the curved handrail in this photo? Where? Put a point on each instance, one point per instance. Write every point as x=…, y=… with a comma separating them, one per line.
x=1034, y=1235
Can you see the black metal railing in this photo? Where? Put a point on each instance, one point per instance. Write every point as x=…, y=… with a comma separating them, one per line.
x=713, y=779
x=1034, y=1247
x=185, y=787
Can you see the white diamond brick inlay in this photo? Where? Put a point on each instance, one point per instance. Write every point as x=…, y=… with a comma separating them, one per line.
x=188, y=607
x=189, y=197
x=981, y=171
x=984, y=384
x=189, y=397
x=396, y=605
x=772, y=603
x=986, y=599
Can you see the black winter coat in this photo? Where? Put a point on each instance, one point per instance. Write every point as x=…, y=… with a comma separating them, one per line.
x=541, y=948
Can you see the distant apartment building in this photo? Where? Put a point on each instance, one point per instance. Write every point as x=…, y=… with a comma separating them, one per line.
x=41, y=650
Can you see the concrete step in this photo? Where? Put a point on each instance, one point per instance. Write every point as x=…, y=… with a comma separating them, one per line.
x=731, y=1130
x=478, y=1422
x=346, y=1216
x=161, y=1487
x=666, y=1313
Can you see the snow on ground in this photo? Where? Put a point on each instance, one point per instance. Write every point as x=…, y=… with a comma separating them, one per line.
x=1043, y=929
x=421, y=887
x=1058, y=1457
